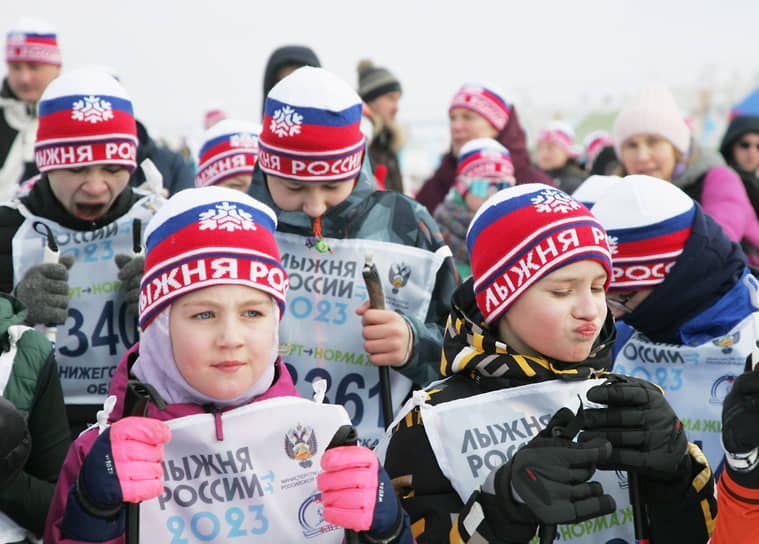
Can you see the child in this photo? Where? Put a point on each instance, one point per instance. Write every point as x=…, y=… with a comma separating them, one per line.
x=86, y=148
x=484, y=167
x=556, y=154
x=29, y=380
x=680, y=296
x=527, y=335
x=211, y=459
x=314, y=172
x=228, y=154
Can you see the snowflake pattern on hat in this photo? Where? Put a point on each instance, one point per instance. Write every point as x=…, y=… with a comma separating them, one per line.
x=92, y=109
x=552, y=200
x=243, y=139
x=228, y=217
x=286, y=122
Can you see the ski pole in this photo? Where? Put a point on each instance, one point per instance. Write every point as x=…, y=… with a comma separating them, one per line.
x=377, y=302
x=50, y=255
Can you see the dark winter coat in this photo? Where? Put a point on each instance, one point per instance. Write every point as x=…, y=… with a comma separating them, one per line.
x=512, y=137
x=569, y=177
x=428, y=496
x=34, y=388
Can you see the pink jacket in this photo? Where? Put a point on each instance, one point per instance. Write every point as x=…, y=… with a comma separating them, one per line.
x=282, y=387
x=724, y=198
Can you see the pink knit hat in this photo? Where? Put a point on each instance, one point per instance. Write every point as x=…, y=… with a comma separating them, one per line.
x=561, y=134
x=485, y=99
x=652, y=111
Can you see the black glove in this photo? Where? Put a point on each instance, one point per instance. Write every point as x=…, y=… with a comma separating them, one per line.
x=740, y=430
x=645, y=434
x=15, y=442
x=44, y=290
x=546, y=482
x=130, y=276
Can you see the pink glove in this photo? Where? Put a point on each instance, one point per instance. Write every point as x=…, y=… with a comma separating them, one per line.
x=349, y=486
x=137, y=446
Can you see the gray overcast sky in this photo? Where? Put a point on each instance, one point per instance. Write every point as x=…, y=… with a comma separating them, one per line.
x=178, y=57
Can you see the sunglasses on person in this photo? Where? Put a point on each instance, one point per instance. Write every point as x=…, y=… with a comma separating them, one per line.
x=618, y=301
x=748, y=145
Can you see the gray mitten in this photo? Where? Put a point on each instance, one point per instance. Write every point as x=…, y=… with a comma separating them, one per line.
x=44, y=290
x=130, y=276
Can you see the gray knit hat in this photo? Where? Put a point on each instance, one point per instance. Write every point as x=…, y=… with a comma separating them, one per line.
x=374, y=81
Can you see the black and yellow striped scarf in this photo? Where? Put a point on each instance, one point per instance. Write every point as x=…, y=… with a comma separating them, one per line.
x=470, y=347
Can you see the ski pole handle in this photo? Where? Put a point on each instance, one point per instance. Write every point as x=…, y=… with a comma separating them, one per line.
x=377, y=302
x=50, y=255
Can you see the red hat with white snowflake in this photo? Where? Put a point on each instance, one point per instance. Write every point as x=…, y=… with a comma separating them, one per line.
x=649, y=221
x=230, y=148
x=523, y=233
x=85, y=118
x=209, y=236
x=312, y=128
x=32, y=40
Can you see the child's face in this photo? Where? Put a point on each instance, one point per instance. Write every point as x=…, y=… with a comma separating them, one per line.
x=223, y=338
x=88, y=192
x=559, y=316
x=240, y=183
x=310, y=197
x=550, y=155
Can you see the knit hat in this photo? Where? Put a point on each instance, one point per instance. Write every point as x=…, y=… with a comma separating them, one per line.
x=212, y=116
x=312, y=128
x=652, y=111
x=594, y=143
x=485, y=158
x=524, y=233
x=591, y=190
x=648, y=221
x=374, y=81
x=85, y=118
x=561, y=134
x=209, y=236
x=32, y=40
x=485, y=99
x=230, y=148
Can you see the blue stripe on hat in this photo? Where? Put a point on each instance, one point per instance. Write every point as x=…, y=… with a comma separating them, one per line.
x=192, y=215
x=66, y=103
x=318, y=116
x=655, y=230
x=536, y=241
x=502, y=209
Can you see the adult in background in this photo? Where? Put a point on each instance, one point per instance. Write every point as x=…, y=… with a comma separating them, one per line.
x=284, y=61
x=479, y=110
x=652, y=138
x=34, y=60
x=381, y=91
x=740, y=148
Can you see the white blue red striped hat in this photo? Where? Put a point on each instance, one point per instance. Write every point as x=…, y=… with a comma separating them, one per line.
x=591, y=190
x=485, y=158
x=230, y=148
x=523, y=233
x=32, y=40
x=485, y=99
x=312, y=128
x=85, y=118
x=209, y=236
x=595, y=142
x=648, y=221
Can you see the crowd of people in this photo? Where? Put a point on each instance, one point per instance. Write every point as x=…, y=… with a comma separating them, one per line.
x=276, y=341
